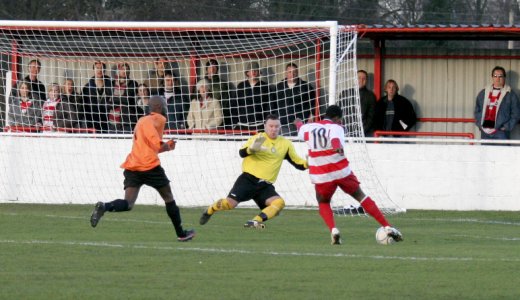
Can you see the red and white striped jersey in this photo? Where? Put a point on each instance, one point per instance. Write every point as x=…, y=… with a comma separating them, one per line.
x=323, y=139
x=49, y=112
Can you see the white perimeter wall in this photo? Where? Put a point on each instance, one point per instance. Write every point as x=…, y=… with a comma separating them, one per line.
x=449, y=177
x=416, y=176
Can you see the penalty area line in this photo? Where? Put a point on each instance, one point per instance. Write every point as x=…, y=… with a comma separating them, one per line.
x=252, y=252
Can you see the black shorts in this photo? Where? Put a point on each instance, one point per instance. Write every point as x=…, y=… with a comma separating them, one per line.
x=155, y=178
x=248, y=187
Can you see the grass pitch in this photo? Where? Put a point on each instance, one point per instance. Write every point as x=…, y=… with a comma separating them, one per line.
x=51, y=252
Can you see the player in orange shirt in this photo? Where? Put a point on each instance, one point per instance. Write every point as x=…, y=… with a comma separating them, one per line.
x=142, y=166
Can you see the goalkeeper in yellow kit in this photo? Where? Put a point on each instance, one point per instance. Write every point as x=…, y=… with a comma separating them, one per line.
x=263, y=155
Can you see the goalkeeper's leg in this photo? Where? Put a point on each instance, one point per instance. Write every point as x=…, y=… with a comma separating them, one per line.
x=221, y=204
x=274, y=206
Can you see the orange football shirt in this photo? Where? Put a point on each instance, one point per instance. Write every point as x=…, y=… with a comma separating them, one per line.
x=147, y=142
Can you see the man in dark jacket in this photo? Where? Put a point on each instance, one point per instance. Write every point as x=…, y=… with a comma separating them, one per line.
x=296, y=99
x=96, y=94
x=394, y=112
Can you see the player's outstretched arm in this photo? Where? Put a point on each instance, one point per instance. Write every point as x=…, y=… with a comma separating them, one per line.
x=168, y=146
x=252, y=146
x=294, y=159
x=257, y=144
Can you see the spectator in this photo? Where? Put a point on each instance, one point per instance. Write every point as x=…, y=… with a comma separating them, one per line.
x=23, y=109
x=222, y=92
x=367, y=101
x=155, y=80
x=37, y=87
x=205, y=112
x=49, y=108
x=143, y=97
x=253, y=99
x=497, y=108
x=394, y=112
x=176, y=102
x=72, y=97
x=125, y=88
x=59, y=113
x=96, y=94
x=122, y=114
x=296, y=99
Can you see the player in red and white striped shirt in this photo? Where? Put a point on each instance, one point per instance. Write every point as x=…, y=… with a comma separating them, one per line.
x=329, y=169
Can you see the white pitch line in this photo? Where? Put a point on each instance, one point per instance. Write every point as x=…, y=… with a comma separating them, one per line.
x=250, y=252
x=110, y=219
x=491, y=222
x=494, y=238
x=115, y=219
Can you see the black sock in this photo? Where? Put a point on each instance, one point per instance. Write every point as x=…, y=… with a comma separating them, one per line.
x=263, y=216
x=175, y=215
x=117, y=205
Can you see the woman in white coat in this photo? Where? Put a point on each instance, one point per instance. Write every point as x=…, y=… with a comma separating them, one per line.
x=205, y=111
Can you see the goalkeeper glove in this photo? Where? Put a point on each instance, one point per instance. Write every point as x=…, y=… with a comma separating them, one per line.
x=257, y=144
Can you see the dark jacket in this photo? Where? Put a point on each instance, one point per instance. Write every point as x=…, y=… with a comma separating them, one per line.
x=95, y=105
x=403, y=111
x=296, y=102
x=124, y=107
x=368, y=109
x=367, y=102
x=37, y=89
x=177, y=106
x=253, y=103
x=67, y=115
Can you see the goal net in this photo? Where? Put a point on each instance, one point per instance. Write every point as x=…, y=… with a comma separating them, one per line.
x=73, y=91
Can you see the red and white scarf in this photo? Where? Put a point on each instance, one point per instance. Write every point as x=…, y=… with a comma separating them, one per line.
x=492, y=100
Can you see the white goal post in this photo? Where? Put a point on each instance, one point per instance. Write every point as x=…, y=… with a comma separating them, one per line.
x=74, y=90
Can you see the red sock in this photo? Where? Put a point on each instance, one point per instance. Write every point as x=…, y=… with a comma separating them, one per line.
x=327, y=215
x=371, y=208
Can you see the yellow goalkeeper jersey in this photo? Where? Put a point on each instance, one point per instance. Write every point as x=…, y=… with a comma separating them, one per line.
x=266, y=164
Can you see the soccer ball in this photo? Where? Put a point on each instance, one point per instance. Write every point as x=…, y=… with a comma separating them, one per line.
x=382, y=237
